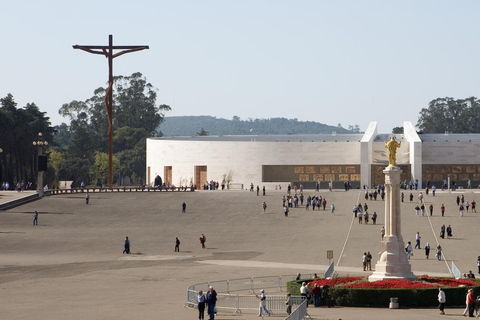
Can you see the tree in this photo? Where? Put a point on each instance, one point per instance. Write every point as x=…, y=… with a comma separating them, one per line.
x=397, y=130
x=354, y=128
x=450, y=115
x=18, y=128
x=134, y=102
x=99, y=170
x=56, y=159
x=136, y=117
x=202, y=133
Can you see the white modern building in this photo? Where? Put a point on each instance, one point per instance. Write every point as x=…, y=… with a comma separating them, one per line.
x=269, y=160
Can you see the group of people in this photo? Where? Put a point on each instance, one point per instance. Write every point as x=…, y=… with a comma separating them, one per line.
x=126, y=243
x=258, y=189
x=18, y=187
x=361, y=212
x=209, y=300
x=367, y=261
x=314, y=293
x=289, y=201
x=471, y=304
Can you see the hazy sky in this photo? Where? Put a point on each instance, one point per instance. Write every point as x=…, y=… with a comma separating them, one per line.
x=348, y=62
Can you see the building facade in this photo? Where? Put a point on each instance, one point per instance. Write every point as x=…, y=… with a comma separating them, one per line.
x=272, y=160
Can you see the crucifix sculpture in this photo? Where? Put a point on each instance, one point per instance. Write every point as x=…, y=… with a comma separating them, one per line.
x=107, y=51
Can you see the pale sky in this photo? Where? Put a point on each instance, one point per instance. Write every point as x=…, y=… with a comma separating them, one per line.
x=348, y=62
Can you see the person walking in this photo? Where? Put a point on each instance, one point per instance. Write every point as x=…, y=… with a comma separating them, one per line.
x=382, y=233
x=263, y=303
x=35, y=218
x=408, y=249
x=177, y=245
x=417, y=240
x=203, y=239
x=374, y=217
x=431, y=209
x=289, y=303
x=285, y=210
x=369, y=261
x=449, y=232
x=201, y=305
x=126, y=246
x=264, y=206
x=87, y=198
x=442, y=231
x=427, y=250
x=184, y=206
x=439, y=253
x=473, y=206
x=211, y=302
x=469, y=304
x=441, y=300
x=442, y=208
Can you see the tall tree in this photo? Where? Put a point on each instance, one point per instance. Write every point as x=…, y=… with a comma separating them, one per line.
x=136, y=117
x=450, y=115
x=18, y=129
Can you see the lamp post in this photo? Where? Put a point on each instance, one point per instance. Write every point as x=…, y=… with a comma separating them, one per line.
x=41, y=165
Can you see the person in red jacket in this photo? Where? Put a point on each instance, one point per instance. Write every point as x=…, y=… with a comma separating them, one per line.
x=470, y=304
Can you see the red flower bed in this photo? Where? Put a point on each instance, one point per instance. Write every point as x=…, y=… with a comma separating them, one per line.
x=335, y=281
x=423, y=282
x=444, y=282
x=391, y=284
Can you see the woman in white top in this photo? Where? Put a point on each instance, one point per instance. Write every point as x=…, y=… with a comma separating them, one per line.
x=201, y=305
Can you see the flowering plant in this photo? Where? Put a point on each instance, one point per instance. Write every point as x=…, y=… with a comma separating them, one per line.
x=422, y=282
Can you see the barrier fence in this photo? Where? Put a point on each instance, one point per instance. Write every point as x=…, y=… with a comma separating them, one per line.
x=237, y=303
x=117, y=189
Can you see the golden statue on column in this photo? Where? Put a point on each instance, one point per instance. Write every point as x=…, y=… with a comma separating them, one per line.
x=392, y=145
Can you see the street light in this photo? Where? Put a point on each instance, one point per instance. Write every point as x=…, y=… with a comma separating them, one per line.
x=41, y=162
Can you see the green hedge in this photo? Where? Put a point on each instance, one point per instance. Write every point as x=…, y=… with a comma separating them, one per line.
x=380, y=298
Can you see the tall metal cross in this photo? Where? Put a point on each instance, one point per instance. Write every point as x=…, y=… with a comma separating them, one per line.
x=107, y=51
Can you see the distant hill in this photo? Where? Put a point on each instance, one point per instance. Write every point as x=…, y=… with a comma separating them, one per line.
x=191, y=125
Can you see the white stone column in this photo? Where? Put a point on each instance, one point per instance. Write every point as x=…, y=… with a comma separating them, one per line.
x=392, y=262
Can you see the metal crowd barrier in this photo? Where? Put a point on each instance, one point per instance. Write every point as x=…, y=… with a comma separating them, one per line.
x=241, y=302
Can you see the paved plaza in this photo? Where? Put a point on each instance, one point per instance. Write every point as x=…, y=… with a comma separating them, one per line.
x=71, y=265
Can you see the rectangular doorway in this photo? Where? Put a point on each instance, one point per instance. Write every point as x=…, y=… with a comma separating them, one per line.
x=200, y=176
x=167, y=174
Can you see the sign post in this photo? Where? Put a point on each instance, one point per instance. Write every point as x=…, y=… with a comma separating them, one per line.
x=329, y=256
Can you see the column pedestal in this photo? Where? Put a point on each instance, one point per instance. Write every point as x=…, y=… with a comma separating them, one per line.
x=392, y=262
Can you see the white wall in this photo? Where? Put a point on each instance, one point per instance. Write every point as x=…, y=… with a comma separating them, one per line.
x=244, y=157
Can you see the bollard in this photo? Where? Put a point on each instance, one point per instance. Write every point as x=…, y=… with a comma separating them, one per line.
x=393, y=303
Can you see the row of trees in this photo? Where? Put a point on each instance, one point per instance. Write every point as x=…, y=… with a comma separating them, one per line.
x=83, y=144
x=78, y=150
x=193, y=125
x=450, y=115
x=19, y=127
